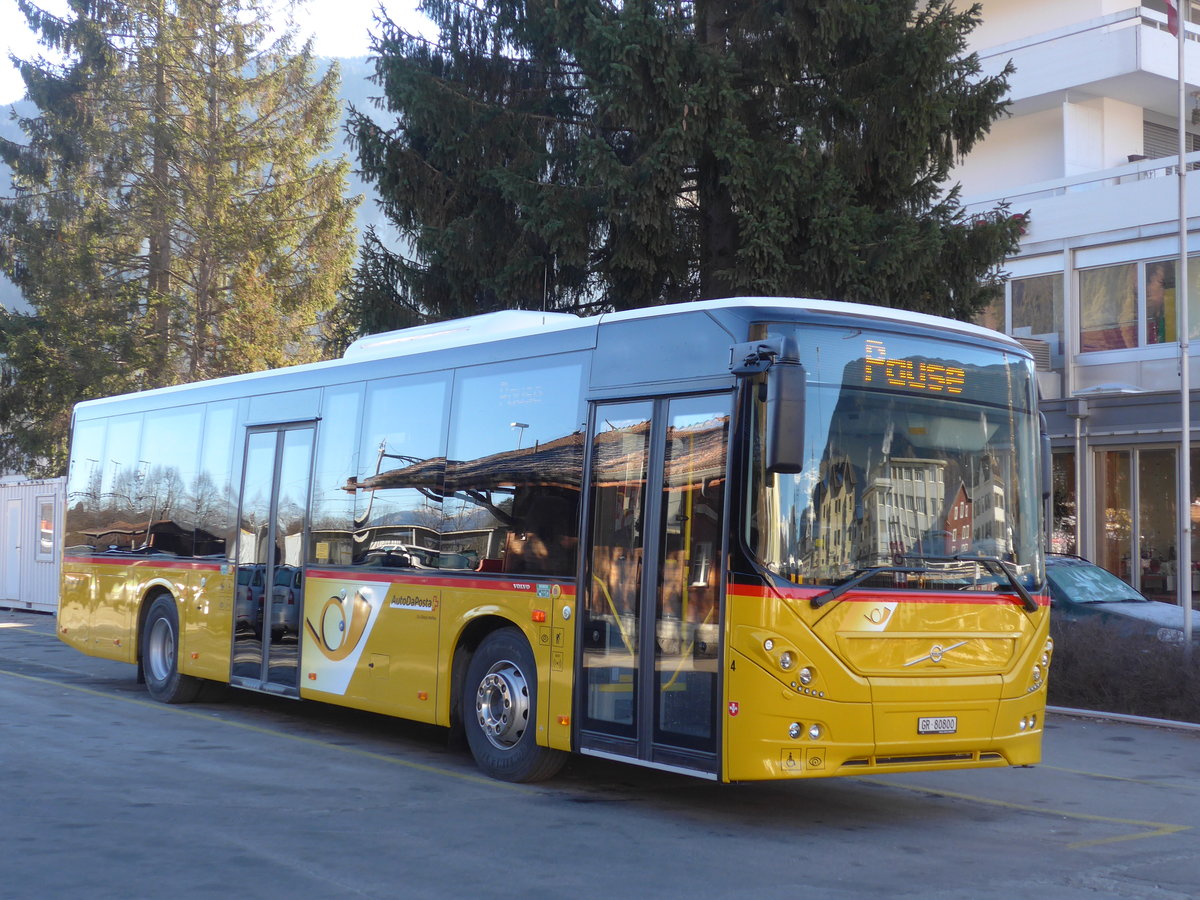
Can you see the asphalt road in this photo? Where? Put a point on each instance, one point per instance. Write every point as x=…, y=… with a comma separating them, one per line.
x=104, y=793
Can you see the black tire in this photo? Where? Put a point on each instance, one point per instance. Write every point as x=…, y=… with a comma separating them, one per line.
x=499, y=710
x=160, y=655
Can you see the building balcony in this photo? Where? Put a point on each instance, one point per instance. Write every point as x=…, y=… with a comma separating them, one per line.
x=1136, y=200
x=1127, y=56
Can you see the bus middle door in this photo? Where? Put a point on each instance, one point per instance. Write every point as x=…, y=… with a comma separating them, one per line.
x=270, y=556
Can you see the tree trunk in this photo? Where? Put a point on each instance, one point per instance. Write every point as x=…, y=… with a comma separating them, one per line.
x=718, y=225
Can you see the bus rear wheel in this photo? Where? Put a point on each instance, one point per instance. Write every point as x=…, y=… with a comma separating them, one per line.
x=160, y=655
x=499, y=710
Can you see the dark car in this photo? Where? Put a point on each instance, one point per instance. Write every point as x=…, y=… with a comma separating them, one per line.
x=286, y=601
x=249, y=600
x=1081, y=591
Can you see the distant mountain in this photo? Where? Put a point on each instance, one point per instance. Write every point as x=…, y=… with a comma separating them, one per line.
x=357, y=89
x=10, y=297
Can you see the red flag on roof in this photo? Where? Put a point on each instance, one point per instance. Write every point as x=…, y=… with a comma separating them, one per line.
x=1173, y=17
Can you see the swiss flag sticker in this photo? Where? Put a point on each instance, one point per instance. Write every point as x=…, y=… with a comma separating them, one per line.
x=733, y=707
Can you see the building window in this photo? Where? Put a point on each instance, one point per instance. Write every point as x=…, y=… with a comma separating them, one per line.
x=1161, y=311
x=1037, y=312
x=1160, y=302
x=46, y=529
x=1108, y=305
x=1162, y=141
x=1133, y=305
x=992, y=315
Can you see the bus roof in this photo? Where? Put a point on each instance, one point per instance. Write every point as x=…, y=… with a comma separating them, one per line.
x=518, y=322
x=494, y=330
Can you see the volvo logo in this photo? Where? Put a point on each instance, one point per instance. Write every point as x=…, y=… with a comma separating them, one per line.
x=935, y=655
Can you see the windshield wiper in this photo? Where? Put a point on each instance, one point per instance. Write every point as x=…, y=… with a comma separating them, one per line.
x=993, y=564
x=859, y=576
x=996, y=564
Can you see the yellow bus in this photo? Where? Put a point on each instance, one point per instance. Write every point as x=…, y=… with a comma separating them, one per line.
x=742, y=539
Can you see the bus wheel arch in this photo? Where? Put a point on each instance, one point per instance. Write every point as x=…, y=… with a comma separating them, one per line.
x=497, y=705
x=468, y=641
x=158, y=651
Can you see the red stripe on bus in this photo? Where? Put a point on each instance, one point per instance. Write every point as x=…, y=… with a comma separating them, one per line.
x=447, y=581
x=145, y=562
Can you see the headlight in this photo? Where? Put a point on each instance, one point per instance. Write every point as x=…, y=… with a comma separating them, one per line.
x=815, y=732
x=806, y=675
x=787, y=659
x=795, y=730
x=1037, y=675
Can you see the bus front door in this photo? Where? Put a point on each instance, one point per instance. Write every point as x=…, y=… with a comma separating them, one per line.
x=651, y=630
x=270, y=556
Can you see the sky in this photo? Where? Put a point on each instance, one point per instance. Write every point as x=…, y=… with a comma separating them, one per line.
x=340, y=27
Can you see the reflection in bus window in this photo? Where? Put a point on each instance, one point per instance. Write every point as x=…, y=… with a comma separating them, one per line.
x=693, y=504
x=332, y=537
x=214, y=504
x=158, y=502
x=401, y=465
x=83, y=487
x=910, y=459
x=516, y=458
x=612, y=605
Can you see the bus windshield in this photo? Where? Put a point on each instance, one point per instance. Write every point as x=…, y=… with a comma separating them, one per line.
x=920, y=455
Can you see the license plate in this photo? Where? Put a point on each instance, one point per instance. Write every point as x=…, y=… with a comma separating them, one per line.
x=937, y=725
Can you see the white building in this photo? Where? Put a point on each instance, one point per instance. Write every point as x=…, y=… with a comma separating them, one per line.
x=1090, y=151
x=903, y=504
x=30, y=522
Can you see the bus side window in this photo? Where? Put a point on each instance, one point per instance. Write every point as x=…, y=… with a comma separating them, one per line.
x=331, y=534
x=392, y=515
x=544, y=539
x=515, y=460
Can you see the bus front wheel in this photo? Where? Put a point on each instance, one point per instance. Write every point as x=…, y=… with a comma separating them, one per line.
x=160, y=655
x=499, y=710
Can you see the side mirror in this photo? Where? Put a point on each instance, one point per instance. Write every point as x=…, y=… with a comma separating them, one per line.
x=787, y=383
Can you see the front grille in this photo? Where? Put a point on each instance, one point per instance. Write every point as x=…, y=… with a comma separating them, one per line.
x=922, y=759
x=933, y=757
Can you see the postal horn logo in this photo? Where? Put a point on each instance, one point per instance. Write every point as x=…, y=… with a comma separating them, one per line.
x=935, y=655
x=341, y=624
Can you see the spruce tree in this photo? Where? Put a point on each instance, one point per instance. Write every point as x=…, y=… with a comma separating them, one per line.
x=171, y=218
x=581, y=156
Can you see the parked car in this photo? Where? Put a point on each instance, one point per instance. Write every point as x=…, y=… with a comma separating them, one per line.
x=1081, y=591
x=249, y=600
x=286, y=600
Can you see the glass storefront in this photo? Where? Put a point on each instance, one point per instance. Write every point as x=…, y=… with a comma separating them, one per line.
x=1157, y=528
x=1136, y=523
x=1113, y=515
x=1063, y=535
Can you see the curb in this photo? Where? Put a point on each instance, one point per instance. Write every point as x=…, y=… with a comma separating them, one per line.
x=1121, y=717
